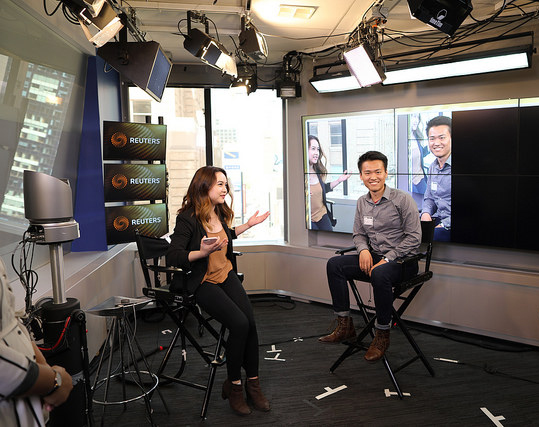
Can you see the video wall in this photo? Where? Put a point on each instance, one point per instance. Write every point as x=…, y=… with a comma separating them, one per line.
x=442, y=169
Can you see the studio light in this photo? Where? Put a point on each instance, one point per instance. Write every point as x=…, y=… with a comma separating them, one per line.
x=94, y=6
x=247, y=78
x=360, y=62
x=288, y=88
x=287, y=79
x=518, y=57
x=337, y=81
x=252, y=42
x=98, y=20
x=209, y=50
x=444, y=15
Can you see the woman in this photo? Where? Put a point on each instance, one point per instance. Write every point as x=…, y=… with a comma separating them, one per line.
x=321, y=218
x=202, y=243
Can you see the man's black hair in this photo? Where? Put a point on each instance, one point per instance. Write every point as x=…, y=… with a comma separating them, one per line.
x=439, y=121
x=369, y=156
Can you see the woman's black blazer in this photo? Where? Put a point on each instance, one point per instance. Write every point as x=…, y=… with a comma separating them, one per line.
x=186, y=238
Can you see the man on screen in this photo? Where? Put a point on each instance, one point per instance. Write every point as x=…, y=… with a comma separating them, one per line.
x=386, y=227
x=437, y=197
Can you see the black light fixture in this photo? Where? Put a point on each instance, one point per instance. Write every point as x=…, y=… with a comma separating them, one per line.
x=287, y=81
x=98, y=20
x=247, y=78
x=288, y=88
x=252, y=42
x=143, y=63
x=208, y=49
x=444, y=15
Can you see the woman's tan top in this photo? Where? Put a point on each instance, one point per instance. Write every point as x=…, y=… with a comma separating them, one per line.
x=218, y=264
x=318, y=210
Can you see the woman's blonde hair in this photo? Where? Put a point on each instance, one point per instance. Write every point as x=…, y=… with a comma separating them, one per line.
x=198, y=198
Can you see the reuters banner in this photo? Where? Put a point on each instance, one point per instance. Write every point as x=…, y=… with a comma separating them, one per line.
x=122, y=221
x=134, y=141
x=134, y=182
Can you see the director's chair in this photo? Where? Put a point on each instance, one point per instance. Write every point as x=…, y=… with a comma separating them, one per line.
x=178, y=306
x=413, y=285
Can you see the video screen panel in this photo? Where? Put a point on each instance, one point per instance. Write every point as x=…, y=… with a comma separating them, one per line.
x=122, y=221
x=333, y=144
x=134, y=141
x=134, y=182
x=485, y=198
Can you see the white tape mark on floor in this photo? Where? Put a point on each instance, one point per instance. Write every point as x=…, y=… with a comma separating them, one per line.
x=330, y=391
x=495, y=420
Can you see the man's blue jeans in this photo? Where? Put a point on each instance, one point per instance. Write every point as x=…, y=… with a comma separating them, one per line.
x=342, y=268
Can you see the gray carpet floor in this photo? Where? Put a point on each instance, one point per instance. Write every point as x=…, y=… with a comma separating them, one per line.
x=491, y=382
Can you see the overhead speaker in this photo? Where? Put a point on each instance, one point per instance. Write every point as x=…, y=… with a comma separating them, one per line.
x=444, y=15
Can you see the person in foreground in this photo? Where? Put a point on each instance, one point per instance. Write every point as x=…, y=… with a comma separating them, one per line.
x=218, y=290
x=386, y=227
x=28, y=384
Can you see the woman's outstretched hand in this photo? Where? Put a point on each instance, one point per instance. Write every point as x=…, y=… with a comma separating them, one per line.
x=257, y=219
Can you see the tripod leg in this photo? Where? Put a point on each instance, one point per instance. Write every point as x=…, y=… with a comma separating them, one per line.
x=140, y=384
x=143, y=358
x=111, y=336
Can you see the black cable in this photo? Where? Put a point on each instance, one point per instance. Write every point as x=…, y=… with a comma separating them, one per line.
x=55, y=9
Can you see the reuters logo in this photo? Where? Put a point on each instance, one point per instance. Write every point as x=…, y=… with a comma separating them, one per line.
x=120, y=223
x=119, y=181
x=118, y=139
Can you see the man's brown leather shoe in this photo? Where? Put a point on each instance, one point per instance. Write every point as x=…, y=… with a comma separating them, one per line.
x=344, y=331
x=378, y=346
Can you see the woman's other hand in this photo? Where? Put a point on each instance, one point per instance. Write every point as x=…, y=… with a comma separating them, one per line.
x=208, y=247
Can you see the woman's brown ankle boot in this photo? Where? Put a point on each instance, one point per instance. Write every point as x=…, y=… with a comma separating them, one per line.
x=234, y=394
x=254, y=393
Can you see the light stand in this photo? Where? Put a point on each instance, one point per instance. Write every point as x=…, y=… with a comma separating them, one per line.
x=48, y=207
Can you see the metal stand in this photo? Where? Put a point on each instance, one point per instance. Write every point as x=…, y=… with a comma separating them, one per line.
x=122, y=336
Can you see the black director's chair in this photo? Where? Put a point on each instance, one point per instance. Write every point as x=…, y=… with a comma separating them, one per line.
x=178, y=306
x=413, y=285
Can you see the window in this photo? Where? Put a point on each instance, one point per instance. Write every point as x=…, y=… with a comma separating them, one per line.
x=246, y=140
x=183, y=113
x=247, y=143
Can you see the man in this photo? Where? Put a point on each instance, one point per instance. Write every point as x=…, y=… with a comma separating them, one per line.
x=386, y=227
x=437, y=197
x=27, y=382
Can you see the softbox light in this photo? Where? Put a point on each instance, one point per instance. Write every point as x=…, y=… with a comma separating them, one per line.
x=361, y=64
x=210, y=51
x=143, y=63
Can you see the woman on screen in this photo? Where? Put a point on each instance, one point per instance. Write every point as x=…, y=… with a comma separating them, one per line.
x=202, y=243
x=321, y=216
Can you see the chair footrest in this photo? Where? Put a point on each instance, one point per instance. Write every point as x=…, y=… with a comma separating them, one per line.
x=165, y=295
